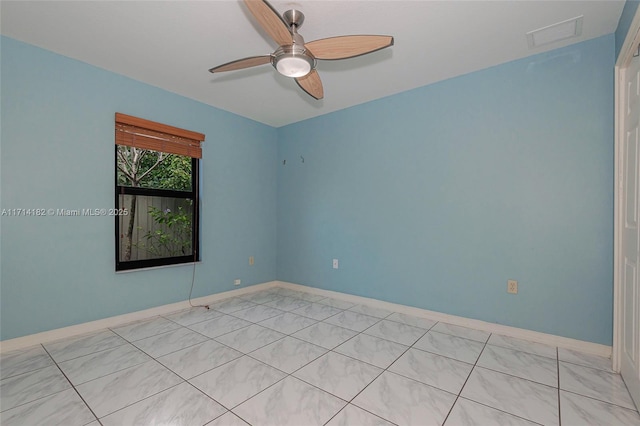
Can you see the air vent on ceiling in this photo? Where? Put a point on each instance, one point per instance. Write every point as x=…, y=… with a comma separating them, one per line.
x=555, y=32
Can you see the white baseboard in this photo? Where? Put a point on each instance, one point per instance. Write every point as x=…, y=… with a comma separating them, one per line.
x=505, y=330
x=534, y=336
x=92, y=326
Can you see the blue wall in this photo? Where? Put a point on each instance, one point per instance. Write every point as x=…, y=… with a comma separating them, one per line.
x=57, y=152
x=435, y=197
x=431, y=198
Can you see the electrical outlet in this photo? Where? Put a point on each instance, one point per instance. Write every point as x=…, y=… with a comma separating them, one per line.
x=250, y=260
x=335, y=263
x=237, y=282
x=512, y=286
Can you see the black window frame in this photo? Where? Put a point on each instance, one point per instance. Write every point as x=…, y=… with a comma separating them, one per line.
x=194, y=195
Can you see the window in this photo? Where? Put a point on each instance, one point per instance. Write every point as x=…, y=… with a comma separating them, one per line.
x=156, y=193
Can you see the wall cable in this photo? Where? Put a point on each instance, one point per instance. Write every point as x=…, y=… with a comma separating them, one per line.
x=195, y=246
x=193, y=279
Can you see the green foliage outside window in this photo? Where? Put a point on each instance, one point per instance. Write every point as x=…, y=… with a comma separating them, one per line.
x=171, y=236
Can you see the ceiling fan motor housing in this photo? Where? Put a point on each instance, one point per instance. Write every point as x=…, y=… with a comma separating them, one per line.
x=293, y=60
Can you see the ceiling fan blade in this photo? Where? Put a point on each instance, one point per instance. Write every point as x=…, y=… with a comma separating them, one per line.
x=270, y=21
x=239, y=64
x=343, y=47
x=311, y=84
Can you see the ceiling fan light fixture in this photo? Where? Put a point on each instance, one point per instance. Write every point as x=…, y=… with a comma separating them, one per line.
x=294, y=66
x=293, y=62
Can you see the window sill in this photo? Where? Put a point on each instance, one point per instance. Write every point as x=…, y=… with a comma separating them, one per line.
x=150, y=268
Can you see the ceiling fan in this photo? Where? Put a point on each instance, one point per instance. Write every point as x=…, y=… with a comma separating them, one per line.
x=295, y=58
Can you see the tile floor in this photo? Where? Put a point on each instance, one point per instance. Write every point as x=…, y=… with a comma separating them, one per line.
x=283, y=357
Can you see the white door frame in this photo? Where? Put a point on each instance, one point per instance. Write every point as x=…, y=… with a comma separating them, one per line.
x=629, y=49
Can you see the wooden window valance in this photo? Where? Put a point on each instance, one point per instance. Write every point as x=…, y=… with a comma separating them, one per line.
x=145, y=134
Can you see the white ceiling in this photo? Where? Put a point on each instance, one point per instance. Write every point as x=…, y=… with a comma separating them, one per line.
x=172, y=44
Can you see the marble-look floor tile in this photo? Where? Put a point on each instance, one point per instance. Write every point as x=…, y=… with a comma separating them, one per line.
x=470, y=413
x=435, y=370
x=250, y=338
x=23, y=361
x=197, y=359
x=352, y=416
x=260, y=297
x=146, y=328
x=305, y=295
x=464, y=332
x=257, y=313
x=309, y=297
x=352, y=320
x=181, y=405
x=237, y=381
x=520, y=364
x=396, y=332
x=373, y=350
x=115, y=391
x=288, y=303
x=523, y=398
x=317, y=311
x=339, y=375
x=411, y=320
x=404, y=401
x=219, y=326
x=594, y=383
x=464, y=350
x=233, y=304
x=193, y=315
x=228, y=419
x=287, y=323
x=290, y=402
x=371, y=311
x=580, y=410
x=74, y=347
x=586, y=360
x=523, y=345
x=326, y=335
x=288, y=354
x=336, y=303
x=27, y=387
x=282, y=292
x=89, y=367
x=165, y=343
x=60, y=409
